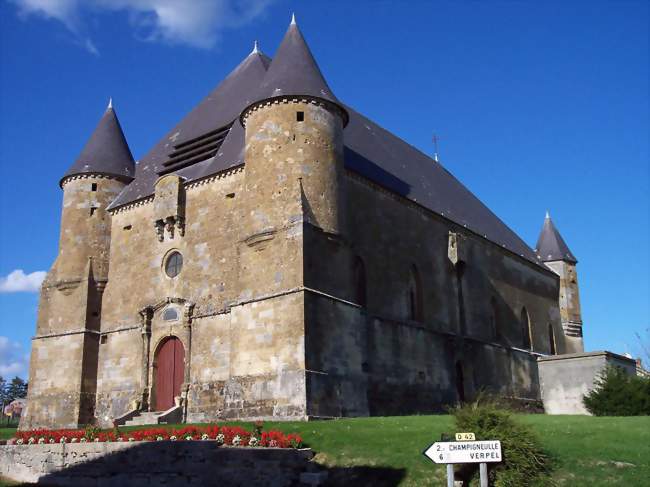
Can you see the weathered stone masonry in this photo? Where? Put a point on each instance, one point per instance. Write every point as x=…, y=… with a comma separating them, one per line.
x=290, y=274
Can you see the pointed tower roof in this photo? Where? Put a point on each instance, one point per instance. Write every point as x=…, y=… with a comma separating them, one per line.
x=551, y=246
x=221, y=107
x=106, y=152
x=294, y=72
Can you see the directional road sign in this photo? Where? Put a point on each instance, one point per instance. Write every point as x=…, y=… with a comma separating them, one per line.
x=464, y=451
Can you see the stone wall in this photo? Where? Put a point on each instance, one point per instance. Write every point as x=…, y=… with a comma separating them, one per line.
x=377, y=359
x=238, y=309
x=565, y=379
x=155, y=463
x=63, y=367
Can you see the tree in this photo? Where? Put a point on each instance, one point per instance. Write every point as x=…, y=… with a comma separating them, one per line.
x=618, y=393
x=3, y=391
x=17, y=389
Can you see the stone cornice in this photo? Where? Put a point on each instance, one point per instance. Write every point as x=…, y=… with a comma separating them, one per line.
x=187, y=185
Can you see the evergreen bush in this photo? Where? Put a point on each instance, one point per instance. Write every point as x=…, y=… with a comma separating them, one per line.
x=524, y=461
x=618, y=393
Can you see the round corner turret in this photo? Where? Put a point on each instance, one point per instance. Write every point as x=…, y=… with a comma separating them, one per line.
x=106, y=154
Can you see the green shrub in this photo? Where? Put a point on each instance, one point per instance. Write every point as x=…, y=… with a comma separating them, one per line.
x=524, y=461
x=618, y=393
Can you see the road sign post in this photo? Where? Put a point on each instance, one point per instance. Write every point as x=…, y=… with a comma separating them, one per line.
x=452, y=452
x=484, y=476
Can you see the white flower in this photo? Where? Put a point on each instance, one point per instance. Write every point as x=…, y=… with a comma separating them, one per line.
x=63, y=439
x=273, y=443
x=159, y=438
x=131, y=438
x=96, y=440
x=253, y=441
x=31, y=440
x=41, y=441
x=120, y=439
x=220, y=438
x=73, y=440
x=52, y=440
x=173, y=437
x=19, y=441
x=205, y=436
x=236, y=440
x=189, y=437
x=83, y=440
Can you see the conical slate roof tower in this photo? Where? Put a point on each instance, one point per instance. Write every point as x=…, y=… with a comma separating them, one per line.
x=106, y=152
x=551, y=246
x=294, y=72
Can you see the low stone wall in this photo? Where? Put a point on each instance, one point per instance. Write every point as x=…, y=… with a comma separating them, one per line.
x=565, y=379
x=166, y=463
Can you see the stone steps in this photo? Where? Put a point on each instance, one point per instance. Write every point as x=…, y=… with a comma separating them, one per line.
x=172, y=415
x=145, y=418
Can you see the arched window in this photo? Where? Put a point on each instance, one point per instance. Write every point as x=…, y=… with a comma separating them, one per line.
x=173, y=264
x=170, y=314
x=414, y=296
x=525, y=329
x=360, y=290
x=494, y=318
x=551, y=339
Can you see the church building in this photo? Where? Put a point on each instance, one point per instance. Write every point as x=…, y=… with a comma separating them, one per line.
x=277, y=255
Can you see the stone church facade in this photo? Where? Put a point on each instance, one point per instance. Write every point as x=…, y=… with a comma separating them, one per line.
x=278, y=255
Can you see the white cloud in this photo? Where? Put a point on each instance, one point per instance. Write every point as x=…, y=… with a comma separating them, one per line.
x=197, y=23
x=13, y=360
x=17, y=281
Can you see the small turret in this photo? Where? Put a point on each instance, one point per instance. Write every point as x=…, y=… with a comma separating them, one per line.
x=551, y=246
x=106, y=152
x=293, y=164
x=294, y=141
x=101, y=171
x=554, y=252
x=63, y=370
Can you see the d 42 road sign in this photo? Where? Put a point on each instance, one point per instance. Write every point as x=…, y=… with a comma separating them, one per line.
x=464, y=451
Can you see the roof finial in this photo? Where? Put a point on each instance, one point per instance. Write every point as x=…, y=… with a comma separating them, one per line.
x=110, y=103
x=256, y=48
x=548, y=215
x=293, y=18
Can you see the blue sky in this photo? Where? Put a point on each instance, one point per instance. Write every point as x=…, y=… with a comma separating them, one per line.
x=538, y=105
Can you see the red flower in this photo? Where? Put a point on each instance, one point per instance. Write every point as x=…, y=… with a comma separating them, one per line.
x=270, y=439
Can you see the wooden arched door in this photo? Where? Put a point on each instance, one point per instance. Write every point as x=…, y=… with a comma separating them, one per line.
x=170, y=372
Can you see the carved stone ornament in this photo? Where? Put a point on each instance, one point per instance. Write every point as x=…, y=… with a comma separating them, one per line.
x=452, y=248
x=169, y=207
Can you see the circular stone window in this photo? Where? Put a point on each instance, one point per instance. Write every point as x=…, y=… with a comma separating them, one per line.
x=173, y=264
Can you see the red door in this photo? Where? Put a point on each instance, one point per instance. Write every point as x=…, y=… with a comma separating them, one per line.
x=170, y=372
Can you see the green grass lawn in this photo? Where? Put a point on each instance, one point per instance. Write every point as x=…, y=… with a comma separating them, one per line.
x=388, y=451
x=6, y=433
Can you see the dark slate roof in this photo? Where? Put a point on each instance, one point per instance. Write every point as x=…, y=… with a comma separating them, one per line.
x=370, y=151
x=223, y=105
x=551, y=246
x=293, y=72
x=387, y=160
x=106, y=152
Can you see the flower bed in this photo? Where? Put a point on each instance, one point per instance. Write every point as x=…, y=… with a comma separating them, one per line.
x=223, y=435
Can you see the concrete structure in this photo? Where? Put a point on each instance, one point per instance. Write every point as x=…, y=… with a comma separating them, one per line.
x=278, y=255
x=143, y=463
x=565, y=379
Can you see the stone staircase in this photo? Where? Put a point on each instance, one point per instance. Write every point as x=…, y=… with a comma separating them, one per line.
x=173, y=415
